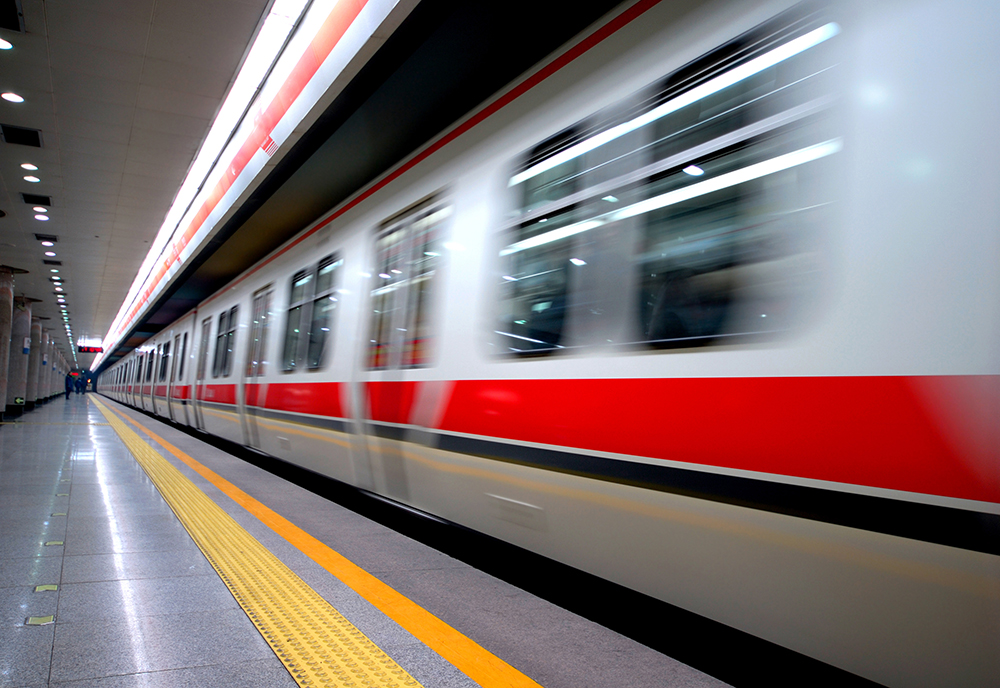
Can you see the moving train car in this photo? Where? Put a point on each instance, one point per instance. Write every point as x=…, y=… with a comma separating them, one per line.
x=705, y=305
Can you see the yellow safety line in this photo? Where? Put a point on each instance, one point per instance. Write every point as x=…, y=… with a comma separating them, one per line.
x=462, y=652
x=317, y=645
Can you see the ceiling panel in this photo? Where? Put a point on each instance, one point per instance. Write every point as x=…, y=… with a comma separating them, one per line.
x=178, y=102
x=79, y=23
x=95, y=61
x=204, y=80
x=70, y=84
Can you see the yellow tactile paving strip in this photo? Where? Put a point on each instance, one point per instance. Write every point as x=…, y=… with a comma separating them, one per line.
x=317, y=645
x=466, y=655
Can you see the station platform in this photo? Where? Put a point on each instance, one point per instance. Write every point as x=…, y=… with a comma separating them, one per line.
x=133, y=554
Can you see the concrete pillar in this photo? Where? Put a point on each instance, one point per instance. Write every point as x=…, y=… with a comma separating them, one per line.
x=50, y=363
x=31, y=395
x=43, y=368
x=6, y=313
x=20, y=352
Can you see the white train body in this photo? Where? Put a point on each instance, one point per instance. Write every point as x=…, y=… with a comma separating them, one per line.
x=788, y=480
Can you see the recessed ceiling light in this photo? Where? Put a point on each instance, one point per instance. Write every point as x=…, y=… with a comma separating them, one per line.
x=5, y=45
x=693, y=170
x=32, y=179
x=40, y=209
x=50, y=254
x=28, y=166
x=48, y=243
x=43, y=218
x=59, y=288
x=12, y=97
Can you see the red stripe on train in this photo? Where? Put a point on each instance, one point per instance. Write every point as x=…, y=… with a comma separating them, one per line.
x=391, y=401
x=318, y=399
x=219, y=394
x=934, y=435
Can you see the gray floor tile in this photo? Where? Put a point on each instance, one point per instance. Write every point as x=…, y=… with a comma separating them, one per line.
x=17, y=604
x=26, y=655
x=26, y=547
x=429, y=669
x=106, y=543
x=165, y=523
x=29, y=571
x=263, y=673
x=105, y=567
x=155, y=643
x=79, y=602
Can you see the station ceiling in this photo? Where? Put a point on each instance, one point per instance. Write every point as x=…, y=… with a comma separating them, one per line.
x=123, y=93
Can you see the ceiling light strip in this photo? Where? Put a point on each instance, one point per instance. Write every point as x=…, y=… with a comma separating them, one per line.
x=328, y=36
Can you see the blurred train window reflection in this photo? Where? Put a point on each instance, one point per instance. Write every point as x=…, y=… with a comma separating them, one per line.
x=259, y=325
x=324, y=304
x=311, y=304
x=408, y=255
x=691, y=214
x=225, y=343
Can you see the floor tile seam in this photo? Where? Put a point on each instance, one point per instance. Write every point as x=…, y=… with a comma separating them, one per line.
x=166, y=615
x=71, y=683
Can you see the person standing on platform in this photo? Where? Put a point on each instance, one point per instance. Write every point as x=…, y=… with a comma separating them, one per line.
x=69, y=384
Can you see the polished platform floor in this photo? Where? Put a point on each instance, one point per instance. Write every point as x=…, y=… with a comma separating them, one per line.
x=103, y=586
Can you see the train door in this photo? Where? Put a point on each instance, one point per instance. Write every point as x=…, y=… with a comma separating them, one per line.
x=408, y=255
x=199, y=384
x=254, y=392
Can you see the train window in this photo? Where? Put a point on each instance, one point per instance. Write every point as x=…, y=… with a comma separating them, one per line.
x=220, y=343
x=173, y=367
x=228, y=351
x=164, y=361
x=692, y=214
x=311, y=303
x=408, y=255
x=294, y=322
x=150, y=359
x=258, y=333
x=324, y=304
x=182, y=357
x=206, y=333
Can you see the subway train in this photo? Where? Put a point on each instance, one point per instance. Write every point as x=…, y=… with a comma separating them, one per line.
x=706, y=304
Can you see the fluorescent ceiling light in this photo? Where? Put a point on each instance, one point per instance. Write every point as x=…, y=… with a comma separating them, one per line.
x=50, y=254
x=47, y=243
x=42, y=218
x=5, y=45
x=31, y=178
x=693, y=170
x=725, y=80
x=12, y=97
x=723, y=181
x=28, y=166
x=274, y=32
